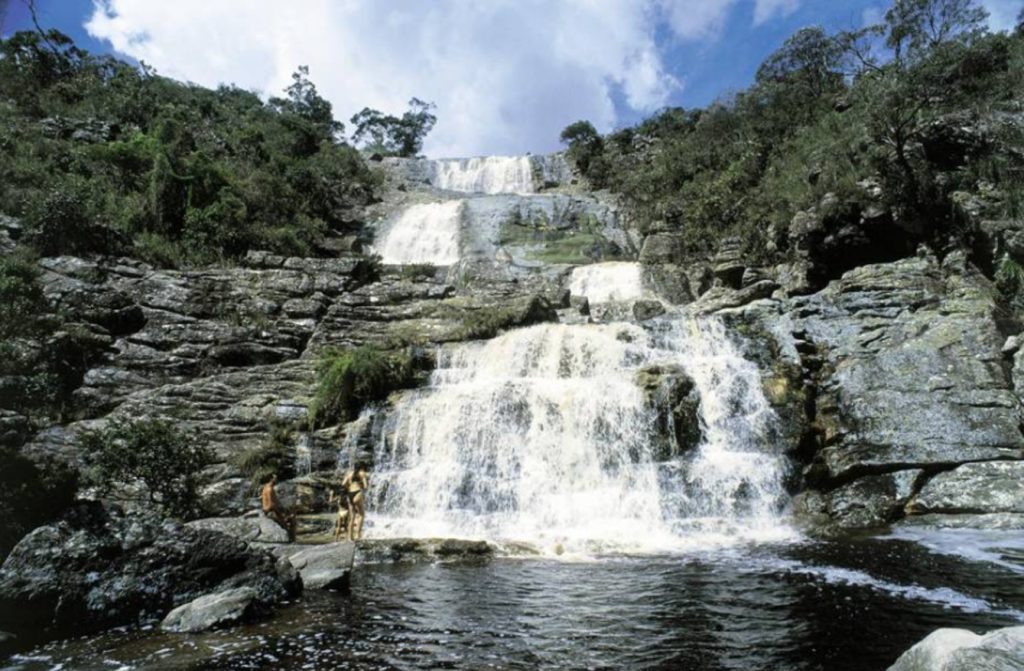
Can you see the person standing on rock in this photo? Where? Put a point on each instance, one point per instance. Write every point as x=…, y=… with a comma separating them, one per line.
x=337, y=493
x=273, y=509
x=355, y=484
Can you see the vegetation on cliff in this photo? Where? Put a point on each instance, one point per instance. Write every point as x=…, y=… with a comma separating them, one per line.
x=920, y=117
x=97, y=155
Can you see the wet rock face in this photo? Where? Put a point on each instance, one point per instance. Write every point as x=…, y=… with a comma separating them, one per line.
x=913, y=374
x=99, y=568
x=891, y=383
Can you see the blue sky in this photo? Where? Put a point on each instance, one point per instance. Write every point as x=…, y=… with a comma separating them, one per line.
x=506, y=75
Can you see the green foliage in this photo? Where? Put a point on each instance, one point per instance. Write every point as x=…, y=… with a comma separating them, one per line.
x=825, y=113
x=585, y=150
x=32, y=492
x=349, y=379
x=1010, y=282
x=149, y=459
x=98, y=156
x=394, y=136
x=419, y=271
x=276, y=455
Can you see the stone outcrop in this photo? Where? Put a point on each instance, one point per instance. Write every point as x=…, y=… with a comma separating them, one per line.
x=99, y=568
x=962, y=650
x=894, y=386
x=327, y=566
x=212, y=611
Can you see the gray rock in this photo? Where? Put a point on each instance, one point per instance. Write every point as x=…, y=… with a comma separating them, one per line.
x=961, y=650
x=872, y=501
x=325, y=566
x=986, y=487
x=988, y=521
x=99, y=567
x=212, y=611
x=258, y=528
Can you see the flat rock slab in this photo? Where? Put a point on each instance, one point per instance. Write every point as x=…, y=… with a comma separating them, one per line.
x=257, y=529
x=323, y=566
x=962, y=650
x=212, y=610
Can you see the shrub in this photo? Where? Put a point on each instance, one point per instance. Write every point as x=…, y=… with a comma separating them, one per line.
x=149, y=459
x=276, y=455
x=418, y=271
x=351, y=378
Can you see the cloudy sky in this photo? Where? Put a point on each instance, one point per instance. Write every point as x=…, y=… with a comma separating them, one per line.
x=506, y=75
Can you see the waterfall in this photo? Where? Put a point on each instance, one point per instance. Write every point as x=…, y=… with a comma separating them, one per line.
x=424, y=233
x=606, y=282
x=488, y=174
x=543, y=435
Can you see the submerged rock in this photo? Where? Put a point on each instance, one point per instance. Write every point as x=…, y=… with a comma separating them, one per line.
x=375, y=551
x=100, y=567
x=212, y=610
x=961, y=650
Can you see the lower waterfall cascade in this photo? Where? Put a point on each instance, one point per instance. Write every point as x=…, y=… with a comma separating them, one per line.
x=542, y=435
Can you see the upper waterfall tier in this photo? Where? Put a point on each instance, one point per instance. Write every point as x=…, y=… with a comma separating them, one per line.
x=544, y=435
x=423, y=233
x=607, y=282
x=489, y=174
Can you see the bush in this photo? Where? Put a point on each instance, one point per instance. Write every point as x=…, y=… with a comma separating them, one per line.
x=276, y=455
x=148, y=459
x=350, y=379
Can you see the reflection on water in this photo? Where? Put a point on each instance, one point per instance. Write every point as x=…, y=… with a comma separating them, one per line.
x=841, y=605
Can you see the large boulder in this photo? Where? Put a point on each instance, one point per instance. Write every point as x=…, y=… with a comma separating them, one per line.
x=961, y=650
x=326, y=566
x=99, y=567
x=212, y=611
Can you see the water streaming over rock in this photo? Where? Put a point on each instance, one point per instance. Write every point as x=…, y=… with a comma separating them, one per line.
x=606, y=282
x=423, y=233
x=543, y=435
x=487, y=174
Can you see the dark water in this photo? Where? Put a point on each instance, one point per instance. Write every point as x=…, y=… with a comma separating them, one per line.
x=851, y=605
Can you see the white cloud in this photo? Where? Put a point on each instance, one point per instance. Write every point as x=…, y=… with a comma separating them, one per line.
x=1002, y=14
x=507, y=75
x=768, y=9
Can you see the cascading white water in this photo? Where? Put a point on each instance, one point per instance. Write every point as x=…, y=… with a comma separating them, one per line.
x=606, y=282
x=542, y=435
x=487, y=174
x=423, y=233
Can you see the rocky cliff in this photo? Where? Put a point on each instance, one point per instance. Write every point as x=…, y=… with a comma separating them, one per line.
x=896, y=385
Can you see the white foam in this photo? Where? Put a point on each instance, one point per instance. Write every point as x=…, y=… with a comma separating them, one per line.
x=542, y=435
x=607, y=282
x=423, y=233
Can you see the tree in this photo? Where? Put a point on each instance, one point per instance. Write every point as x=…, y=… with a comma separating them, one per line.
x=305, y=102
x=585, y=148
x=916, y=26
x=149, y=459
x=393, y=136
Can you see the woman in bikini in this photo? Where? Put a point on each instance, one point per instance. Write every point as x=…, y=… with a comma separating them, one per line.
x=355, y=484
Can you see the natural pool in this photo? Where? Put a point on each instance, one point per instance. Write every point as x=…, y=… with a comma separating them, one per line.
x=854, y=604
